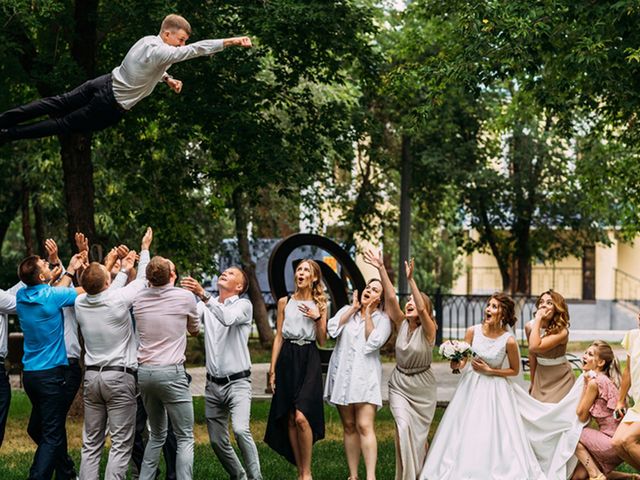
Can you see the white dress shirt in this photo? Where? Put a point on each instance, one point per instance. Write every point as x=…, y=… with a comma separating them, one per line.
x=227, y=327
x=146, y=63
x=7, y=306
x=355, y=371
x=105, y=321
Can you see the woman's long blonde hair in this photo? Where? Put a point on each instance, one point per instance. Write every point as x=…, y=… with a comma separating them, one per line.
x=611, y=363
x=560, y=319
x=317, y=287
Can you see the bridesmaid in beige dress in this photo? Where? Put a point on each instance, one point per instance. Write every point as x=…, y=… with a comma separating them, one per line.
x=412, y=386
x=548, y=334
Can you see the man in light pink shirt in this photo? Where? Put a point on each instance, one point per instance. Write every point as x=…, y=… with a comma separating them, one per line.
x=163, y=315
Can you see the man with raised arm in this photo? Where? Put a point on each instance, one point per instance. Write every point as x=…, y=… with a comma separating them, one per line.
x=39, y=307
x=110, y=361
x=164, y=314
x=101, y=102
x=227, y=325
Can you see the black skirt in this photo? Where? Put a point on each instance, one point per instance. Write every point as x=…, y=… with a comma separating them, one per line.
x=298, y=387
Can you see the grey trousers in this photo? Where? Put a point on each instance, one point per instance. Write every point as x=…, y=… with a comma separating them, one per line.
x=233, y=398
x=112, y=396
x=165, y=390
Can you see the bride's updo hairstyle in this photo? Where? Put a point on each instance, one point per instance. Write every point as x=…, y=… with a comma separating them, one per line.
x=507, y=308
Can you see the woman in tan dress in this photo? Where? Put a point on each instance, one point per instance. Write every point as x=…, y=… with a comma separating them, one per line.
x=412, y=386
x=548, y=334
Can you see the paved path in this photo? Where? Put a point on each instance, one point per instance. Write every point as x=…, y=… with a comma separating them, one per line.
x=447, y=381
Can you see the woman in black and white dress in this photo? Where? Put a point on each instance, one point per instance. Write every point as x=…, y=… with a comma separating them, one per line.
x=296, y=417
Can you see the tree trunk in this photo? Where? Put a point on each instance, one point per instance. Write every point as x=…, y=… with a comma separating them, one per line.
x=39, y=223
x=260, y=315
x=405, y=215
x=26, y=222
x=77, y=170
x=9, y=212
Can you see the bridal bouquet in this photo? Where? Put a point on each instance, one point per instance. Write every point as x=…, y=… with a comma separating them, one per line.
x=455, y=350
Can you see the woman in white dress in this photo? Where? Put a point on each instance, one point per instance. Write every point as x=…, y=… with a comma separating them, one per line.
x=412, y=386
x=355, y=374
x=481, y=435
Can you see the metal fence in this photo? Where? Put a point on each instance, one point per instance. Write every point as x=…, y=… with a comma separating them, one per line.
x=455, y=313
x=627, y=288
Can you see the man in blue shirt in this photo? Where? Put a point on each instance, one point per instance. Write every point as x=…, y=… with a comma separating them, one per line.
x=39, y=307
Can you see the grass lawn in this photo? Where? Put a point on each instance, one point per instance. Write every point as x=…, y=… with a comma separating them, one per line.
x=328, y=455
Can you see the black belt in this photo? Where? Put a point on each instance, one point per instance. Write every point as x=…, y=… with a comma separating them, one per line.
x=228, y=378
x=95, y=368
x=73, y=361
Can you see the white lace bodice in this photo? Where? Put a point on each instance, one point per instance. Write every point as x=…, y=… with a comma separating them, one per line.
x=491, y=350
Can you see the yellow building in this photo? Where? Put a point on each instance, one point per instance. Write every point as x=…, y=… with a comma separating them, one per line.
x=602, y=288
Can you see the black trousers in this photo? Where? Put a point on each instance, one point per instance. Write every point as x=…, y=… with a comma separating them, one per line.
x=5, y=400
x=45, y=389
x=63, y=465
x=87, y=108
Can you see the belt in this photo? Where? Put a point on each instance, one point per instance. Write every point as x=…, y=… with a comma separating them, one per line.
x=73, y=361
x=228, y=378
x=550, y=362
x=301, y=342
x=412, y=371
x=2, y=360
x=95, y=368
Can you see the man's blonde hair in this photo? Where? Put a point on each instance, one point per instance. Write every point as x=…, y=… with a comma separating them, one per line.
x=175, y=22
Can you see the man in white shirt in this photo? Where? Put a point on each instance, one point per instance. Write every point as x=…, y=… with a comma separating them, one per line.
x=110, y=380
x=110, y=389
x=7, y=306
x=101, y=102
x=227, y=325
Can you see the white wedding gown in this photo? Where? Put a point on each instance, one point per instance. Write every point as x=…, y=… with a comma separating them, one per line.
x=493, y=430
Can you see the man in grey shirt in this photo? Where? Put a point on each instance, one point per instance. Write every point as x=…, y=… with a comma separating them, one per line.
x=110, y=388
x=227, y=325
x=101, y=102
x=164, y=314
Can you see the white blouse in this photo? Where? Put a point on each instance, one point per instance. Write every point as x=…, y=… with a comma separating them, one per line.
x=296, y=325
x=355, y=371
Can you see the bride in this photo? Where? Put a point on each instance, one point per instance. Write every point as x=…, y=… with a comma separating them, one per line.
x=487, y=428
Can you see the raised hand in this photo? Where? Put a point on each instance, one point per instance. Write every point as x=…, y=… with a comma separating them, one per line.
x=76, y=262
x=111, y=258
x=191, y=284
x=55, y=274
x=374, y=258
x=146, y=239
x=122, y=251
x=129, y=261
x=51, y=247
x=175, y=84
x=244, y=42
x=409, y=267
x=82, y=242
x=355, y=302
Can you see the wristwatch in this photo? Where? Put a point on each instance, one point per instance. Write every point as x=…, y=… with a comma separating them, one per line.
x=205, y=297
x=69, y=274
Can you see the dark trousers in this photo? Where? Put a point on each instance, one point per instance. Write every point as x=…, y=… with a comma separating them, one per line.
x=5, y=400
x=87, y=108
x=45, y=389
x=64, y=466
